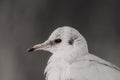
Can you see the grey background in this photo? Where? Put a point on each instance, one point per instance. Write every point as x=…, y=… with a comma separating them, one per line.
x=24, y=23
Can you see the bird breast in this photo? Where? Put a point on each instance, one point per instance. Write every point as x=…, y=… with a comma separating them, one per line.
x=57, y=70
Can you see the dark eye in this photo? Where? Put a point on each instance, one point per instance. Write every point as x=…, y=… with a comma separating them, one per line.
x=57, y=40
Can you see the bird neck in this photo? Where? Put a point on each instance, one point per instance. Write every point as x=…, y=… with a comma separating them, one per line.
x=57, y=69
x=59, y=62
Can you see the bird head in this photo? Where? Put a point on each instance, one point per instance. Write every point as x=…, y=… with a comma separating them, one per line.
x=63, y=39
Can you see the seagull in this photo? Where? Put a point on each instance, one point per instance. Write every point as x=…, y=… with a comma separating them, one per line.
x=71, y=60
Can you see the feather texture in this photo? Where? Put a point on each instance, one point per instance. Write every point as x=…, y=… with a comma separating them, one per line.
x=71, y=59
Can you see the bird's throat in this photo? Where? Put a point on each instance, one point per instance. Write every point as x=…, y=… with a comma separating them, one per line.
x=59, y=64
x=57, y=69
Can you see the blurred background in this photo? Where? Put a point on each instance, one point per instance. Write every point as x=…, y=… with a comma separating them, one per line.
x=24, y=23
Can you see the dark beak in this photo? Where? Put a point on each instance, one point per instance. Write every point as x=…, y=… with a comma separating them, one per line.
x=31, y=50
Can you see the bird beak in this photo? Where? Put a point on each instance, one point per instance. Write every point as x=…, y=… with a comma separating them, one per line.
x=42, y=46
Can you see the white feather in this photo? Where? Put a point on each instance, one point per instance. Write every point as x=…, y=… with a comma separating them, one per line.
x=72, y=61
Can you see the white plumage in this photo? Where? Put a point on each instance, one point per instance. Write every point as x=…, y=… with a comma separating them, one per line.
x=71, y=60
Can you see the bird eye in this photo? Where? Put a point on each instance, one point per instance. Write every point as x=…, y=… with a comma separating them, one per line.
x=57, y=40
